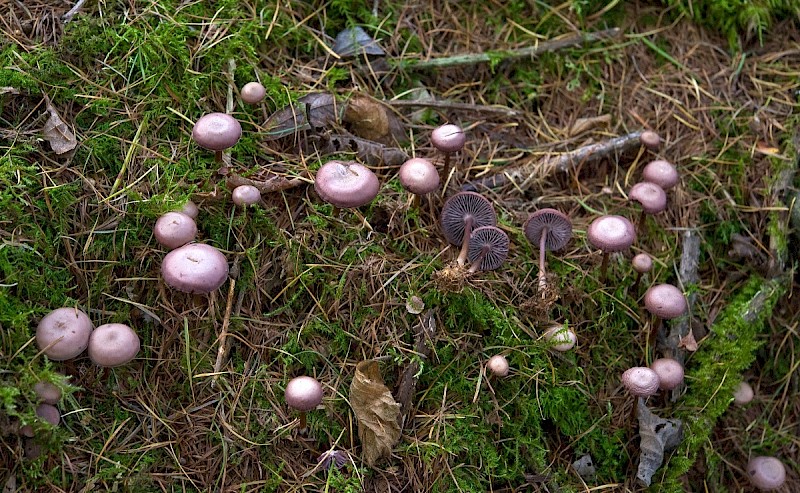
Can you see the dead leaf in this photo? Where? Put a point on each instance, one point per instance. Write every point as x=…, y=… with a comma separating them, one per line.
x=658, y=437
x=318, y=110
x=370, y=119
x=371, y=153
x=764, y=148
x=376, y=411
x=58, y=133
x=355, y=41
x=688, y=342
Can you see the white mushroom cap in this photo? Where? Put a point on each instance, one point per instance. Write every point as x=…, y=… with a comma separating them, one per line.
x=245, y=195
x=766, y=473
x=498, y=365
x=113, y=345
x=64, y=333
x=303, y=393
x=562, y=339
x=195, y=268
x=640, y=381
x=742, y=394
x=175, y=229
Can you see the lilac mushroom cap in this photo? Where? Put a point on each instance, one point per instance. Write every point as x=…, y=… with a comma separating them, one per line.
x=63, y=333
x=562, y=338
x=611, y=233
x=766, y=473
x=448, y=138
x=190, y=209
x=113, y=345
x=419, y=176
x=460, y=208
x=650, y=139
x=642, y=263
x=670, y=372
x=195, y=268
x=253, y=92
x=175, y=229
x=650, y=196
x=488, y=248
x=743, y=394
x=662, y=173
x=49, y=413
x=216, y=131
x=554, y=224
x=47, y=392
x=303, y=393
x=245, y=195
x=346, y=184
x=498, y=365
x=640, y=381
x=665, y=301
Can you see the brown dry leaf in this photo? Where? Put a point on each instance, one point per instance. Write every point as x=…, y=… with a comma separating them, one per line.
x=370, y=119
x=58, y=133
x=688, y=342
x=319, y=110
x=376, y=411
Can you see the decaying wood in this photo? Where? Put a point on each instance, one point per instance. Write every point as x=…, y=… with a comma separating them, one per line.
x=274, y=183
x=408, y=382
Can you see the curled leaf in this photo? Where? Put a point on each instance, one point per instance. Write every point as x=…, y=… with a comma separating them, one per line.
x=315, y=110
x=658, y=437
x=57, y=133
x=376, y=411
x=355, y=41
x=688, y=342
x=372, y=153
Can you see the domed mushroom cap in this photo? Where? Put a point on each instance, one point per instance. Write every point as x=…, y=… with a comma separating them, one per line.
x=640, y=381
x=642, y=263
x=650, y=196
x=461, y=206
x=346, y=184
x=64, y=333
x=47, y=392
x=662, y=173
x=253, y=92
x=113, y=345
x=175, y=229
x=448, y=138
x=49, y=413
x=494, y=240
x=670, y=372
x=216, y=131
x=766, y=473
x=190, y=209
x=554, y=224
x=650, y=139
x=419, y=176
x=195, y=268
x=743, y=393
x=498, y=365
x=611, y=233
x=245, y=195
x=303, y=393
x=562, y=338
x=665, y=301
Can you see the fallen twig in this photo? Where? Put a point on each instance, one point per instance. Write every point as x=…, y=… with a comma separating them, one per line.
x=447, y=105
x=274, y=183
x=408, y=382
x=71, y=12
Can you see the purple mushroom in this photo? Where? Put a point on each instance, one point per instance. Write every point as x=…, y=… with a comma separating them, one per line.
x=549, y=229
x=461, y=215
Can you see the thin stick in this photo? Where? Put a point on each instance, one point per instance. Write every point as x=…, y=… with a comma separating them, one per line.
x=448, y=105
x=71, y=12
x=222, y=352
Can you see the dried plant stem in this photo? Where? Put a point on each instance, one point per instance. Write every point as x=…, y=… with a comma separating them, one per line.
x=71, y=12
x=448, y=105
x=222, y=351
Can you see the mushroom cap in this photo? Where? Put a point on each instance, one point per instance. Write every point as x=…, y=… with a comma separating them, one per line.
x=662, y=173
x=670, y=372
x=650, y=196
x=665, y=301
x=562, y=338
x=611, y=233
x=175, y=229
x=303, y=393
x=650, y=139
x=216, y=131
x=419, y=176
x=190, y=209
x=113, y=345
x=461, y=206
x=346, y=184
x=640, y=381
x=47, y=392
x=498, y=365
x=642, y=263
x=448, y=138
x=766, y=473
x=49, y=413
x=743, y=393
x=195, y=268
x=71, y=326
x=245, y=195
x=492, y=238
x=553, y=223
x=253, y=92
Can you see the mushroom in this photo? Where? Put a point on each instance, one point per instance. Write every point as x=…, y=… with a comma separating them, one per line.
x=346, y=184
x=498, y=365
x=560, y=337
x=642, y=264
x=113, y=345
x=418, y=176
x=303, y=394
x=216, y=132
x=650, y=196
x=550, y=230
x=665, y=302
x=662, y=173
x=670, y=374
x=47, y=392
x=245, y=195
x=63, y=333
x=253, y=92
x=195, y=268
x=766, y=473
x=448, y=139
x=488, y=248
x=46, y=412
x=190, y=209
x=650, y=140
x=640, y=381
x=610, y=234
x=175, y=229
x=463, y=213
x=743, y=394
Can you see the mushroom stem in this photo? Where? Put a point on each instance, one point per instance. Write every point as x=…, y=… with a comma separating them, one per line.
x=218, y=156
x=445, y=170
x=477, y=262
x=604, y=268
x=640, y=224
x=635, y=285
x=654, y=329
x=462, y=257
x=303, y=424
x=415, y=201
x=335, y=212
x=542, y=252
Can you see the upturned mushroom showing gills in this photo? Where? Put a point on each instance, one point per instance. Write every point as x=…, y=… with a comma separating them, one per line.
x=175, y=229
x=113, y=345
x=448, y=139
x=63, y=333
x=217, y=132
x=346, y=184
x=549, y=229
x=304, y=394
x=461, y=215
x=195, y=268
x=610, y=234
x=650, y=196
x=488, y=248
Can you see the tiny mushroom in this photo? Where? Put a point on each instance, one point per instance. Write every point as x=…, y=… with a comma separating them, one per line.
x=640, y=381
x=664, y=302
x=113, y=345
x=670, y=372
x=448, y=139
x=47, y=392
x=498, y=365
x=46, y=412
x=175, y=229
x=488, y=248
x=304, y=394
x=662, y=173
x=63, y=333
x=549, y=229
x=461, y=215
x=650, y=196
x=743, y=394
x=766, y=473
x=190, y=209
x=245, y=195
x=346, y=184
x=650, y=140
x=418, y=176
x=642, y=264
x=253, y=92
x=216, y=132
x=195, y=268
x=561, y=338
x=610, y=234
